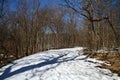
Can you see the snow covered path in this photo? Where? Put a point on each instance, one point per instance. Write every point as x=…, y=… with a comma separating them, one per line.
x=63, y=64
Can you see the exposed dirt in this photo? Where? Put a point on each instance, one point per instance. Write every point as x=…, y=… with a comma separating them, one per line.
x=112, y=58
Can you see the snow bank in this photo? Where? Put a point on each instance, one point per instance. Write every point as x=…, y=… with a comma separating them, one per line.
x=62, y=64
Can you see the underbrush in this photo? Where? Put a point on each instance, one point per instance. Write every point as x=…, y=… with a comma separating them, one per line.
x=112, y=58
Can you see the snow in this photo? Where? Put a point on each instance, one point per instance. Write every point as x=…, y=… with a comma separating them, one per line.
x=61, y=64
x=102, y=51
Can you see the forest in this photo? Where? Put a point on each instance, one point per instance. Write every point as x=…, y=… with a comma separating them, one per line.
x=28, y=29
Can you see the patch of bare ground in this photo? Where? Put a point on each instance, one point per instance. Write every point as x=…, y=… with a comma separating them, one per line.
x=112, y=58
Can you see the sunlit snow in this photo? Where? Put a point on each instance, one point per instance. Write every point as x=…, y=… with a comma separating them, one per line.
x=62, y=64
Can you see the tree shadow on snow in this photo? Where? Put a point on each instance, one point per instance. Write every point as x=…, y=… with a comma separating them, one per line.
x=55, y=60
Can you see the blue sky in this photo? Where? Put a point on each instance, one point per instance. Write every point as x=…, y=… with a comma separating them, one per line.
x=49, y=3
x=44, y=3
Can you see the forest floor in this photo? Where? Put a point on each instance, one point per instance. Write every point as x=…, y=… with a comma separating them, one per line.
x=112, y=58
x=60, y=64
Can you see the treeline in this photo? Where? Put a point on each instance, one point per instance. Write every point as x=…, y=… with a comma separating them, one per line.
x=31, y=29
x=100, y=21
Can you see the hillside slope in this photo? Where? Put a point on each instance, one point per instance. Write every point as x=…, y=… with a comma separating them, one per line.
x=62, y=64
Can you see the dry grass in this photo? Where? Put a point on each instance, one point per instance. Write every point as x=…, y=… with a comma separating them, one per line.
x=112, y=58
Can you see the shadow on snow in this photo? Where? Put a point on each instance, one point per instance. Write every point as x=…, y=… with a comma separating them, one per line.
x=57, y=60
